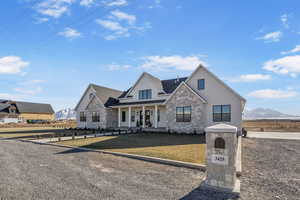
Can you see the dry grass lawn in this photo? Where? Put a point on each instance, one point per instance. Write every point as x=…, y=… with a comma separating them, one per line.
x=187, y=148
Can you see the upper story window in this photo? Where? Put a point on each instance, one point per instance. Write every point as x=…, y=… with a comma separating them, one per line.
x=183, y=114
x=201, y=84
x=95, y=117
x=145, y=94
x=82, y=117
x=222, y=113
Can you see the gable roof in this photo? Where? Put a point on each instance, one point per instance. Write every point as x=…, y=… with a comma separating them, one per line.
x=4, y=106
x=28, y=107
x=168, y=85
x=191, y=89
x=171, y=84
x=103, y=93
x=143, y=74
x=219, y=80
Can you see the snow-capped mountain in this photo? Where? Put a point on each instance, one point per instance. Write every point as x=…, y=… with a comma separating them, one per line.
x=266, y=113
x=67, y=113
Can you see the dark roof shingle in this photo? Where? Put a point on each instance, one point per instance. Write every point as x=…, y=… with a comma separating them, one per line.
x=28, y=107
x=171, y=84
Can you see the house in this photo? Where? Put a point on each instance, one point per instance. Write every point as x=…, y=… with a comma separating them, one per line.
x=185, y=104
x=19, y=111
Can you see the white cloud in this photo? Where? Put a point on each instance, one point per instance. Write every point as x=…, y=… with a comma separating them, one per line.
x=12, y=65
x=27, y=91
x=288, y=65
x=284, y=20
x=41, y=20
x=123, y=16
x=161, y=63
x=271, y=37
x=54, y=8
x=117, y=29
x=115, y=67
x=11, y=96
x=251, y=78
x=116, y=3
x=70, y=33
x=294, y=50
x=86, y=3
x=273, y=94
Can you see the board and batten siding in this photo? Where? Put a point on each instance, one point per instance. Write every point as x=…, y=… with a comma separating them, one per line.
x=217, y=93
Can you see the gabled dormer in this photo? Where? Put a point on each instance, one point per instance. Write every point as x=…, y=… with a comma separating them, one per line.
x=147, y=87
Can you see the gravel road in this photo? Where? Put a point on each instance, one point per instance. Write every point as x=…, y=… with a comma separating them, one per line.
x=271, y=170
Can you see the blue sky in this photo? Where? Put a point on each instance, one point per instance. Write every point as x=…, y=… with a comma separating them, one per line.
x=52, y=49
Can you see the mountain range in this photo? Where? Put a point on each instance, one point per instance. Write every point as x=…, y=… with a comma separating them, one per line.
x=266, y=113
x=65, y=114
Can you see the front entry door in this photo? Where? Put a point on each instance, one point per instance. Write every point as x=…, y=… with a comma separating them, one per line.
x=147, y=118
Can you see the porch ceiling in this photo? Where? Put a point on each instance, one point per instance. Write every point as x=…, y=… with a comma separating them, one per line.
x=161, y=101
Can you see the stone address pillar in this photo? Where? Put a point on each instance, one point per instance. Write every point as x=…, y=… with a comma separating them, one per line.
x=221, y=147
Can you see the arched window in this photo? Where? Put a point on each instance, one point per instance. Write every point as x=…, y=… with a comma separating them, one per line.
x=220, y=143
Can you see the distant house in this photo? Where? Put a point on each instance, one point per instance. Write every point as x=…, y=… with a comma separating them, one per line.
x=186, y=104
x=18, y=111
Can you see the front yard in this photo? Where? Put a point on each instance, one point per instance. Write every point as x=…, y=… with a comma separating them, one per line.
x=27, y=132
x=187, y=148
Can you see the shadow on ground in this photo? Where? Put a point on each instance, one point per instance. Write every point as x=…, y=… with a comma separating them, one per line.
x=145, y=140
x=204, y=193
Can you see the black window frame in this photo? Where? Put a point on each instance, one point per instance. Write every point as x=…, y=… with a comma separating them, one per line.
x=158, y=115
x=145, y=94
x=186, y=115
x=201, y=86
x=222, y=115
x=82, y=117
x=123, y=116
x=95, y=117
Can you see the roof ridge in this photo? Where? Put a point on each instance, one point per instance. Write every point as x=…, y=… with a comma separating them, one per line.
x=92, y=84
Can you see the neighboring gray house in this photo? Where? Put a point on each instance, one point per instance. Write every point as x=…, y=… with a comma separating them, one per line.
x=183, y=104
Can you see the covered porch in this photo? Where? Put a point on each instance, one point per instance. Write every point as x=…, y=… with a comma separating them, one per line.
x=145, y=115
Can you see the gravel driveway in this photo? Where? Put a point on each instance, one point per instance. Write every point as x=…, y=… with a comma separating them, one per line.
x=271, y=170
x=32, y=171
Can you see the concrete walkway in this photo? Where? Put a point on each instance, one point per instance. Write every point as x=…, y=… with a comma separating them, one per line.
x=56, y=139
x=274, y=135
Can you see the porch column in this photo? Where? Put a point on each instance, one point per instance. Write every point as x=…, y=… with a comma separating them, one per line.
x=119, y=117
x=129, y=116
x=144, y=116
x=155, y=118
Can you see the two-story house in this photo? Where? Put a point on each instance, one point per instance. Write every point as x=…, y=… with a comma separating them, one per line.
x=185, y=104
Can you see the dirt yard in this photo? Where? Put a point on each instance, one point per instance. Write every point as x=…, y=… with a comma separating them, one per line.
x=272, y=125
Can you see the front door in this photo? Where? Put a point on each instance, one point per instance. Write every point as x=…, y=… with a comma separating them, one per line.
x=147, y=118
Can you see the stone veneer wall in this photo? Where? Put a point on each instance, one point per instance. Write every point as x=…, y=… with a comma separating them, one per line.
x=185, y=97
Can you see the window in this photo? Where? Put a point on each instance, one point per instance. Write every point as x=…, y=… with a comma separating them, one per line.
x=123, y=116
x=82, y=117
x=95, y=116
x=183, y=114
x=158, y=115
x=222, y=113
x=132, y=116
x=201, y=84
x=145, y=94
